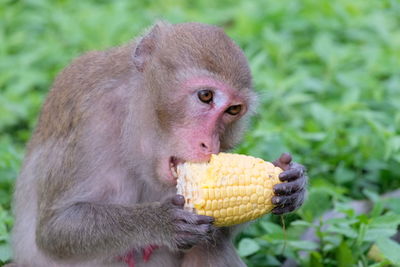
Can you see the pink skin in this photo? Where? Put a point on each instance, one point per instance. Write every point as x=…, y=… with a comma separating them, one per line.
x=147, y=251
x=201, y=137
x=129, y=258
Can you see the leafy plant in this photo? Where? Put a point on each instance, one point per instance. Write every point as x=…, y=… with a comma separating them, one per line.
x=327, y=73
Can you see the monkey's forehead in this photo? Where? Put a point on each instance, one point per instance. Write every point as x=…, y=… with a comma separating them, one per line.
x=206, y=81
x=207, y=49
x=197, y=77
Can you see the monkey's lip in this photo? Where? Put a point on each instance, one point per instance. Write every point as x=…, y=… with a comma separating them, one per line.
x=173, y=164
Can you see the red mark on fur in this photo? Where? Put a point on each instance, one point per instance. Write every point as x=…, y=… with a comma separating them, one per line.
x=130, y=261
x=129, y=258
x=147, y=251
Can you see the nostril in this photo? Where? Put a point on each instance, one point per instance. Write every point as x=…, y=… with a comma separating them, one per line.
x=203, y=146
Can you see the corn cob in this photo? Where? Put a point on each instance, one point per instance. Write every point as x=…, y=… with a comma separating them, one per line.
x=231, y=188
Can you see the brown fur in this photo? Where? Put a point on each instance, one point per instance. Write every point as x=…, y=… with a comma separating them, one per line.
x=88, y=190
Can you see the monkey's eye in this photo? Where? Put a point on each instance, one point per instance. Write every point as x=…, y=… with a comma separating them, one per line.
x=234, y=110
x=205, y=96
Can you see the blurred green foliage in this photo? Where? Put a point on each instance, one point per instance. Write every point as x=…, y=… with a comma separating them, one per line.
x=328, y=76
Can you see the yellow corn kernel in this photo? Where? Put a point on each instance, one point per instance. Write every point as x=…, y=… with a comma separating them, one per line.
x=223, y=213
x=231, y=188
x=229, y=211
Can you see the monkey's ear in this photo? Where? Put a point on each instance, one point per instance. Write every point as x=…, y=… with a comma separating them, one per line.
x=145, y=48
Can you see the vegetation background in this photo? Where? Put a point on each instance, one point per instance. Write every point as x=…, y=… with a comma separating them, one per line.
x=328, y=73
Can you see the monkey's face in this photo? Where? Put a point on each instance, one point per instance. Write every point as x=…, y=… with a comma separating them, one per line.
x=196, y=119
x=200, y=82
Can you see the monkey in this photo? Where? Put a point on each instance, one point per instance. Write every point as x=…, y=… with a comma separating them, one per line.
x=98, y=187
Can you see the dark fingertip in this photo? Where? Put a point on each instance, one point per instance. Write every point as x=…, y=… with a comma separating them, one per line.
x=178, y=200
x=289, y=175
x=279, y=189
x=291, y=208
x=202, y=219
x=285, y=158
x=283, y=209
x=275, y=189
x=277, y=211
x=276, y=200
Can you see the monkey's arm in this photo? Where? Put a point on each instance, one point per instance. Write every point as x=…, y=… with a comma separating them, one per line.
x=90, y=230
x=289, y=195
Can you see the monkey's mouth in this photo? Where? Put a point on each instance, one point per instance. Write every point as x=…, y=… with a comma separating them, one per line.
x=173, y=164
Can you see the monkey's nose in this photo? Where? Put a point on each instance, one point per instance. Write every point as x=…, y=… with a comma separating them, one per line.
x=204, y=147
x=211, y=147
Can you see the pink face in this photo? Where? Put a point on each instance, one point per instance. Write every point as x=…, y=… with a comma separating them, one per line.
x=210, y=106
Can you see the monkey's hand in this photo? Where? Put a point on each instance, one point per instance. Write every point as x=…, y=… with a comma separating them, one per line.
x=289, y=195
x=186, y=228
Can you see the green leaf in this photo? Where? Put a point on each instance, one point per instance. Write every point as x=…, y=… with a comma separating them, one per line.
x=344, y=230
x=344, y=255
x=393, y=204
x=303, y=245
x=376, y=233
x=317, y=203
x=271, y=227
x=5, y=252
x=384, y=263
x=301, y=223
x=390, y=249
x=316, y=260
x=386, y=221
x=361, y=234
x=247, y=247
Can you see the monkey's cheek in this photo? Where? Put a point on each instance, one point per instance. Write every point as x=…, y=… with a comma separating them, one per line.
x=168, y=178
x=165, y=175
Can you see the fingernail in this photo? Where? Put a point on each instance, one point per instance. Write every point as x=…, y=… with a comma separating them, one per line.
x=205, y=219
x=179, y=200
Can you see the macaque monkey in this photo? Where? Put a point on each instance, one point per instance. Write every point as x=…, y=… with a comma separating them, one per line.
x=97, y=187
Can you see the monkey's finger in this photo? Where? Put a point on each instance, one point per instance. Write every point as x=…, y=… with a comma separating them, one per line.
x=283, y=161
x=285, y=158
x=202, y=219
x=289, y=175
x=294, y=172
x=288, y=204
x=287, y=200
x=290, y=187
x=285, y=209
x=178, y=200
x=188, y=217
x=190, y=229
